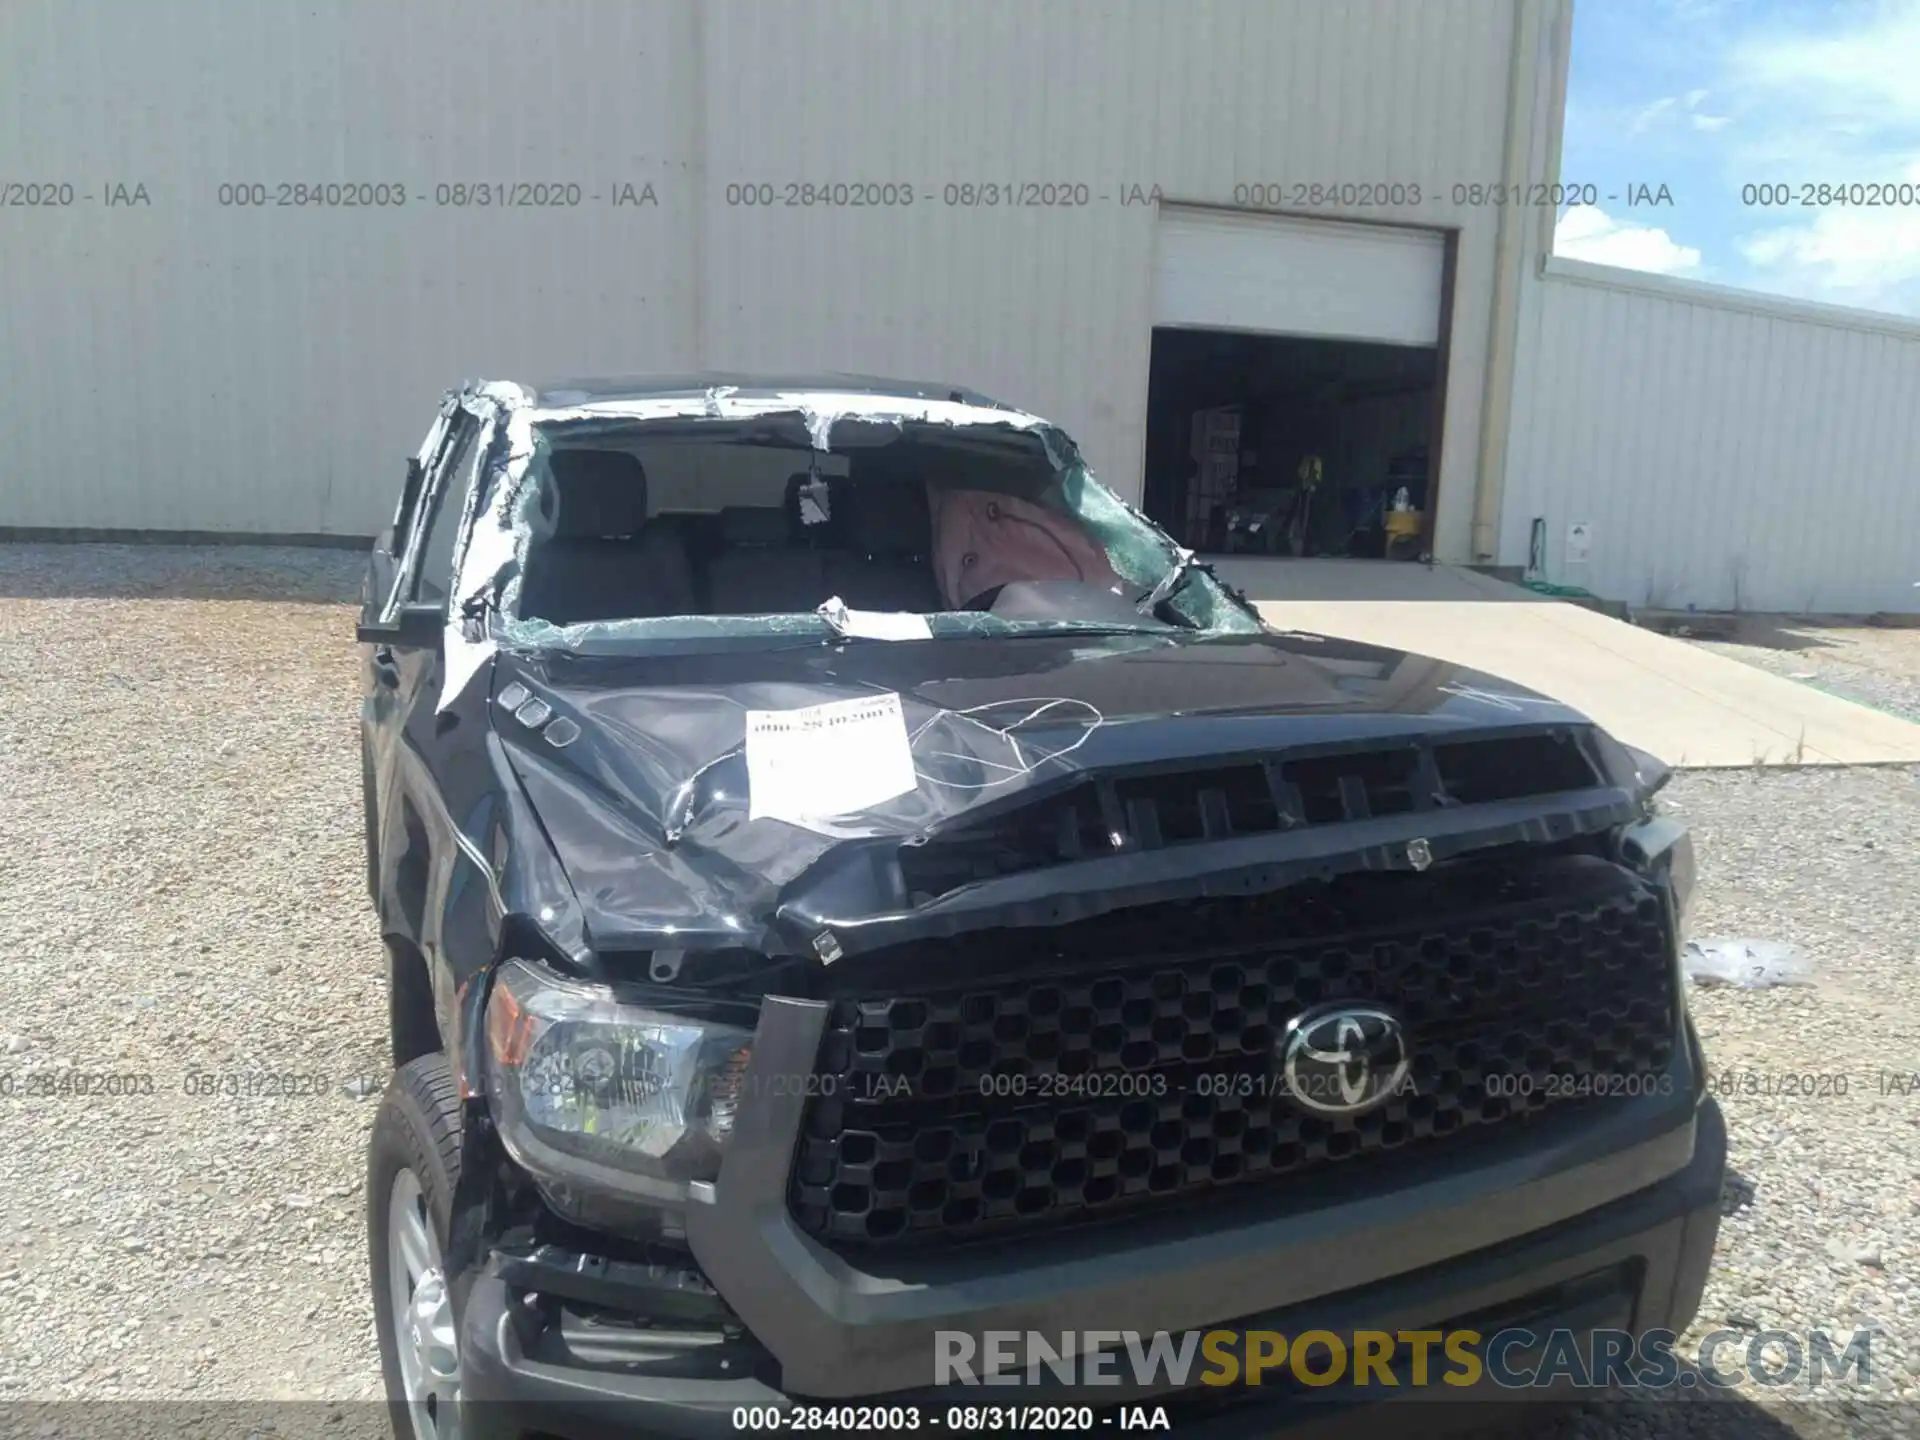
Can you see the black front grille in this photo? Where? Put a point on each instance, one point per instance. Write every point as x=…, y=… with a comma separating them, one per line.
x=1091, y=1086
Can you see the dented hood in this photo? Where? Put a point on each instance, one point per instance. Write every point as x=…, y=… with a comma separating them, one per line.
x=636, y=766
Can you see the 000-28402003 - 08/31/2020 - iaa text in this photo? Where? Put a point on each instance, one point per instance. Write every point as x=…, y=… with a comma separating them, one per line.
x=952, y=1419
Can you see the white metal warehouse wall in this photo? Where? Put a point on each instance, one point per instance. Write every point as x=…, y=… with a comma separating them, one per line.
x=1729, y=450
x=189, y=366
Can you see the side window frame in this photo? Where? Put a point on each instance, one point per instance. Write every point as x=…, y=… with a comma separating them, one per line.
x=399, y=535
x=418, y=468
x=461, y=424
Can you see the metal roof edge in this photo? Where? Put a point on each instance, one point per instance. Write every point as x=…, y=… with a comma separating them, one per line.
x=1729, y=297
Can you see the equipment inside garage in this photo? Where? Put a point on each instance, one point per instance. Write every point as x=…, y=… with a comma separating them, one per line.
x=1293, y=394
x=1278, y=445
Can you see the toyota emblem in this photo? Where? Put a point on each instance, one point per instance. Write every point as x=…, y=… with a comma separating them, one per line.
x=1344, y=1059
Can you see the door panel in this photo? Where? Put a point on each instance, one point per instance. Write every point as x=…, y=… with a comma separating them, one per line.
x=403, y=681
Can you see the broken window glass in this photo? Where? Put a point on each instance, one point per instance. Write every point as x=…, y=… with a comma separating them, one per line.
x=685, y=527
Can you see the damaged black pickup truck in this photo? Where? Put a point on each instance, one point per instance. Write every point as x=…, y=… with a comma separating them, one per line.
x=857, y=894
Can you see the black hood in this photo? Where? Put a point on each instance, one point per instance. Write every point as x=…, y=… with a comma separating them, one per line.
x=647, y=808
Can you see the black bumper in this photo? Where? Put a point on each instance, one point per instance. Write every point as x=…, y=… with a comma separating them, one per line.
x=1638, y=1262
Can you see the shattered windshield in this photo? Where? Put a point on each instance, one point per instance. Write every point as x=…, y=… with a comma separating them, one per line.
x=918, y=521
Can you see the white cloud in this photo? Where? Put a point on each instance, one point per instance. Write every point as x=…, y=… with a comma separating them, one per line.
x=1697, y=11
x=1846, y=254
x=1830, y=101
x=1827, y=101
x=1670, y=107
x=1865, y=72
x=1735, y=93
x=1699, y=119
x=1652, y=113
x=1586, y=232
x=1838, y=105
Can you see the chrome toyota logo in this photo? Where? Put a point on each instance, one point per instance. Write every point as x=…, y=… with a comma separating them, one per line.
x=1344, y=1059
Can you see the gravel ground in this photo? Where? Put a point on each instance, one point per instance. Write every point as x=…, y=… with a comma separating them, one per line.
x=177, y=775
x=1873, y=666
x=189, y=906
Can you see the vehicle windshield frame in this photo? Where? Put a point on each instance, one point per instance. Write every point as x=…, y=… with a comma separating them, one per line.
x=504, y=523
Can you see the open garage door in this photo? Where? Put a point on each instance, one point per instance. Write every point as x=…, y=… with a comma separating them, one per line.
x=1279, y=276
x=1296, y=386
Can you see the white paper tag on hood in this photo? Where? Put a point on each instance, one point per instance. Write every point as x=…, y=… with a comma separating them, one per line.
x=874, y=624
x=825, y=760
x=886, y=625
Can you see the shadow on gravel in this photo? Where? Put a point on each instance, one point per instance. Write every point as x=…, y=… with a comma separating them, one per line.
x=1736, y=1193
x=296, y=574
x=1787, y=633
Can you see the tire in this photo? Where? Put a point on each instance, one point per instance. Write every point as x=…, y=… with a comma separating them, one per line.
x=414, y=1158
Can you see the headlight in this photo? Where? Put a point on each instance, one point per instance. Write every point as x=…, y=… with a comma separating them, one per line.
x=613, y=1108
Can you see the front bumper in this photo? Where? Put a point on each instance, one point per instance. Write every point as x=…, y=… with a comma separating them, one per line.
x=1636, y=1260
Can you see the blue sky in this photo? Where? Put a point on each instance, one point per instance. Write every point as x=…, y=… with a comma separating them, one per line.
x=1706, y=96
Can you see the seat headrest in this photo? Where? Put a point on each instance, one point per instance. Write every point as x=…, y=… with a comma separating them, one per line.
x=758, y=525
x=888, y=516
x=602, y=493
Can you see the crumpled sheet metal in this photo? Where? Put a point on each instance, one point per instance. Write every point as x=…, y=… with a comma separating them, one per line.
x=649, y=810
x=648, y=804
x=677, y=757
x=488, y=566
x=820, y=409
x=675, y=843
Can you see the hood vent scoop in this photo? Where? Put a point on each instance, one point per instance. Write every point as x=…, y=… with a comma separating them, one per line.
x=1150, y=810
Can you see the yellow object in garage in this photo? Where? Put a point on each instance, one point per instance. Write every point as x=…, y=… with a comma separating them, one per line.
x=1402, y=523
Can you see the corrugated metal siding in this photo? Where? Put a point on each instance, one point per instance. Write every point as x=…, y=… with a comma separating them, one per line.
x=197, y=367
x=189, y=366
x=1729, y=451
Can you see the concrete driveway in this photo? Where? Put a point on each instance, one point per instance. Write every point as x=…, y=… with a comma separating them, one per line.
x=1686, y=705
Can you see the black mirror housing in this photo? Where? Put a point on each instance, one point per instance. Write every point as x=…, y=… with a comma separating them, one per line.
x=417, y=627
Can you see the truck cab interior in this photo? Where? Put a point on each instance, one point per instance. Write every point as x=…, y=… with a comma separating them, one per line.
x=644, y=530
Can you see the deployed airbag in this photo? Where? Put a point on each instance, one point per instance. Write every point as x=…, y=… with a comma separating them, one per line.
x=985, y=539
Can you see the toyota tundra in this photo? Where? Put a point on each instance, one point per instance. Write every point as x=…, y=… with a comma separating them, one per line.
x=853, y=888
